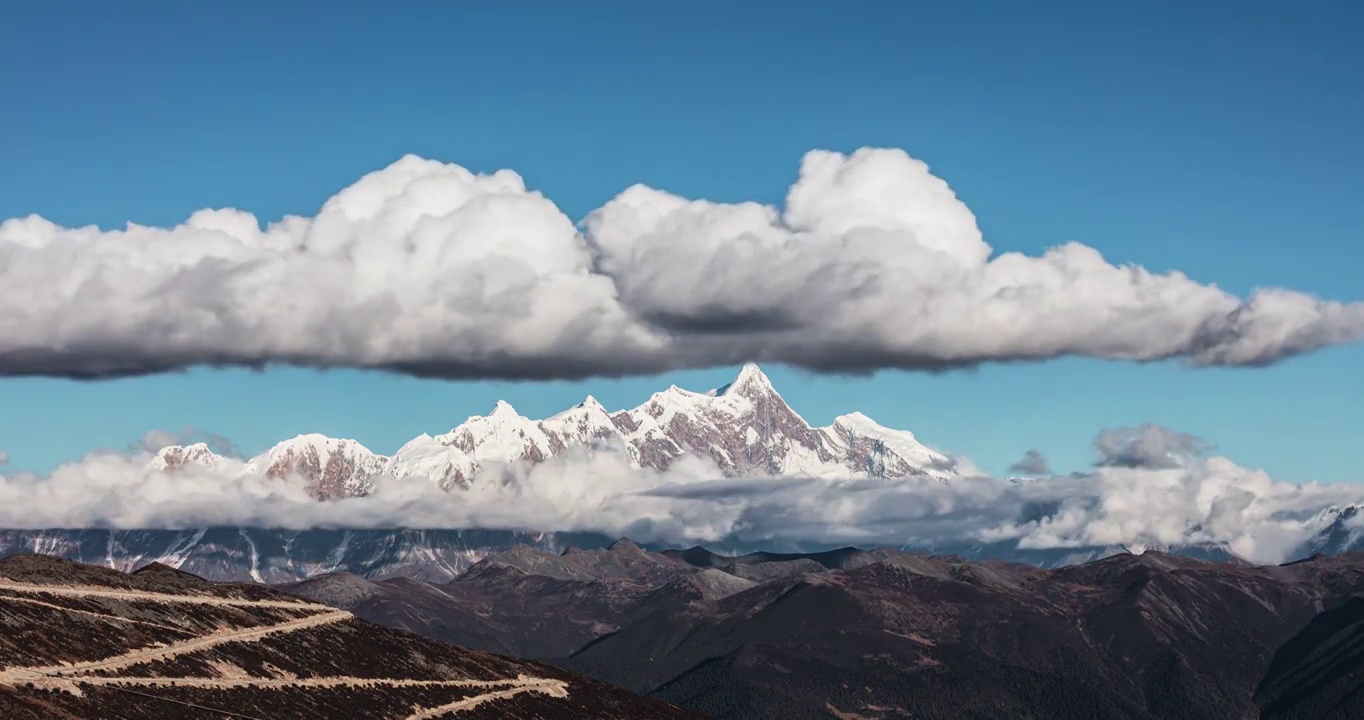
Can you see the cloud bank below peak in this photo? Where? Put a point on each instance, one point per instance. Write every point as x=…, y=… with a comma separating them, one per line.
x=1168, y=499
x=429, y=269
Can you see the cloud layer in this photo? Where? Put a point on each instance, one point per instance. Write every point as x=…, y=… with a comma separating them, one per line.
x=427, y=268
x=1194, y=500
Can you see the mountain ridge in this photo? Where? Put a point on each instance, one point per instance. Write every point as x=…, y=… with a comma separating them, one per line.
x=745, y=427
x=883, y=633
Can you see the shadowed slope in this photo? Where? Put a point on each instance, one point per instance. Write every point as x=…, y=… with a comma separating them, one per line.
x=1319, y=673
x=880, y=633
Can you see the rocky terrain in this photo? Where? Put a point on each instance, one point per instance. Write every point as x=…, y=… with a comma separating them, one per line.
x=524, y=601
x=279, y=556
x=274, y=555
x=889, y=634
x=83, y=642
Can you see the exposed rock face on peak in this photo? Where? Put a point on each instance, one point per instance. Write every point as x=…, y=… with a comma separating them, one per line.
x=747, y=429
x=744, y=427
x=428, y=457
x=196, y=455
x=502, y=436
x=334, y=468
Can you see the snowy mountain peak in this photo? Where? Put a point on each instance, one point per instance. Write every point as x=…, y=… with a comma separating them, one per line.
x=173, y=457
x=425, y=457
x=588, y=405
x=744, y=428
x=334, y=467
x=750, y=372
x=855, y=427
x=662, y=406
x=856, y=420
x=502, y=436
x=503, y=409
x=750, y=380
x=317, y=442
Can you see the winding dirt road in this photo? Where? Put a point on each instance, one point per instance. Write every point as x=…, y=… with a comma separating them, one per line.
x=165, y=652
x=71, y=676
x=84, y=591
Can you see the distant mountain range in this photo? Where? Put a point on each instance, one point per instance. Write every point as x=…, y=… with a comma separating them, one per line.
x=887, y=634
x=279, y=555
x=745, y=427
x=623, y=632
x=276, y=555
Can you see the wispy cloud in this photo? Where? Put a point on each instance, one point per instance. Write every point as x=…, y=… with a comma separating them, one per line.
x=1033, y=463
x=1147, y=446
x=426, y=268
x=155, y=439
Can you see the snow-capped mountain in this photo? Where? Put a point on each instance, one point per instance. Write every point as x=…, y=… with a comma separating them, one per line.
x=745, y=428
x=197, y=454
x=1338, y=528
x=334, y=468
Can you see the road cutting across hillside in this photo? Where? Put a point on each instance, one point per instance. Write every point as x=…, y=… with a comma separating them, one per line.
x=88, y=591
x=72, y=676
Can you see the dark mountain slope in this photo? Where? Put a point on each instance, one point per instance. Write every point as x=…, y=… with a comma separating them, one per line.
x=876, y=634
x=523, y=602
x=1152, y=636
x=769, y=682
x=83, y=642
x=1319, y=673
x=838, y=559
x=1193, y=634
x=880, y=636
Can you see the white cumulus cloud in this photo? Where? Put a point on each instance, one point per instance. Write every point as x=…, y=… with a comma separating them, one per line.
x=427, y=268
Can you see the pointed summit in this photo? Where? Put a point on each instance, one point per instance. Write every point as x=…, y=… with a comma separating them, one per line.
x=503, y=409
x=588, y=411
x=590, y=403
x=172, y=457
x=751, y=373
x=750, y=379
x=625, y=545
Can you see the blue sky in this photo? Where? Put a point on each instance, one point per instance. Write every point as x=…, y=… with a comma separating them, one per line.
x=1220, y=139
